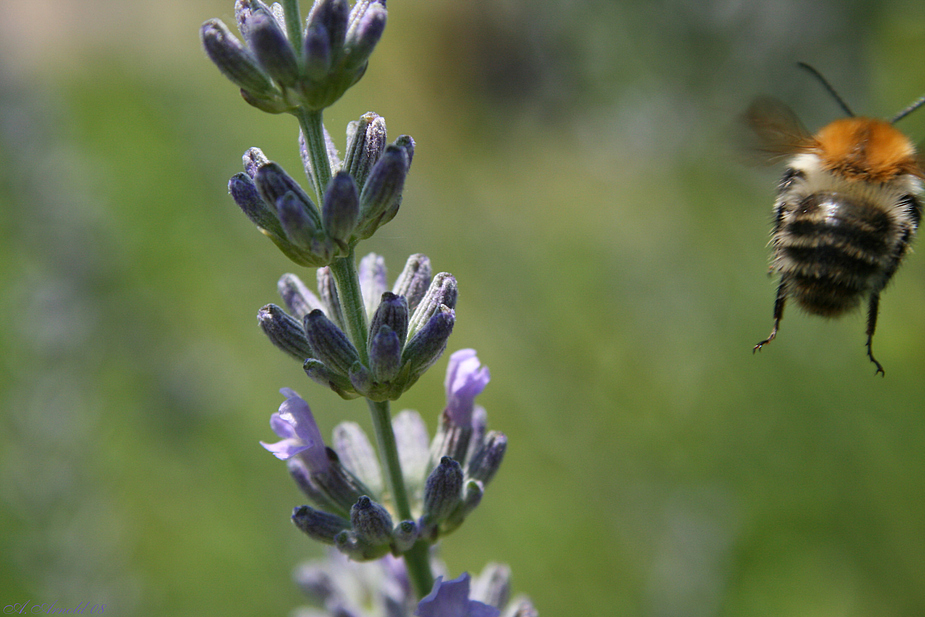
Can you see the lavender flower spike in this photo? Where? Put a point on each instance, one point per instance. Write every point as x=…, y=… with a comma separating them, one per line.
x=451, y=599
x=465, y=379
x=295, y=423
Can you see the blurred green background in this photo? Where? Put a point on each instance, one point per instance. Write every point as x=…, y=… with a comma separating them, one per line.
x=575, y=169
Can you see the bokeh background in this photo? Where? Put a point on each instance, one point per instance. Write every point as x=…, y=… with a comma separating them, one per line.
x=576, y=170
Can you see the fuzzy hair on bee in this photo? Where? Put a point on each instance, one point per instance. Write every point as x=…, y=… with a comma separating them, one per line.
x=847, y=208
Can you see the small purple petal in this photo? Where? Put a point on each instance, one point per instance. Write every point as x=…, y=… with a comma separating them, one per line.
x=465, y=379
x=297, y=413
x=281, y=427
x=296, y=425
x=285, y=449
x=451, y=599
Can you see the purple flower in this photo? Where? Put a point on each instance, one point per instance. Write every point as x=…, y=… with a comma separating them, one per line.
x=465, y=379
x=451, y=599
x=296, y=425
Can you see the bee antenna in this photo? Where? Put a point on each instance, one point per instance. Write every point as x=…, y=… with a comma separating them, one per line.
x=908, y=110
x=830, y=89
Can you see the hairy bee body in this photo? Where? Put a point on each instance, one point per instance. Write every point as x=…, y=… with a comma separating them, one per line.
x=847, y=208
x=836, y=240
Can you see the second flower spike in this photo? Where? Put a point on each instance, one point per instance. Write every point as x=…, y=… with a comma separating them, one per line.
x=408, y=329
x=364, y=194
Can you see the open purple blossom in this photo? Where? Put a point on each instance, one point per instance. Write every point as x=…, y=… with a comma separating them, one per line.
x=451, y=599
x=465, y=379
x=296, y=425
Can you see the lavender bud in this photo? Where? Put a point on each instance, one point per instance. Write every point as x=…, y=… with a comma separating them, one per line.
x=234, y=60
x=340, y=207
x=366, y=139
x=452, y=439
x=329, y=343
x=322, y=375
x=271, y=47
x=277, y=10
x=254, y=159
x=319, y=525
x=348, y=544
x=442, y=491
x=473, y=493
x=332, y=15
x=272, y=105
x=441, y=292
x=316, y=52
x=316, y=582
x=357, y=455
x=493, y=585
x=284, y=331
x=425, y=347
x=406, y=142
x=298, y=298
x=359, y=9
x=327, y=289
x=339, y=484
x=362, y=36
x=414, y=280
x=243, y=10
x=273, y=182
x=362, y=380
x=404, y=536
x=303, y=479
x=487, y=459
x=479, y=423
x=392, y=312
x=413, y=448
x=371, y=522
x=373, y=282
x=382, y=189
x=521, y=607
x=389, y=214
x=298, y=225
x=384, y=354
x=244, y=192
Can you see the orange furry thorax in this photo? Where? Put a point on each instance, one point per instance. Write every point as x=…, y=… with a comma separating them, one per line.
x=866, y=149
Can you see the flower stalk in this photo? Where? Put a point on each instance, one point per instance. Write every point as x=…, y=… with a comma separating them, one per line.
x=313, y=132
x=351, y=300
x=416, y=559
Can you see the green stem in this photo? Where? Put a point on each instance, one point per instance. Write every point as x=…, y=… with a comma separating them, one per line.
x=313, y=130
x=293, y=24
x=417, y=559
x=388, y=452
x=350, y=295
x=351, y=301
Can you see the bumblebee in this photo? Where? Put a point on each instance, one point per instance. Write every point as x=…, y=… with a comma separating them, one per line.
x=847, y=208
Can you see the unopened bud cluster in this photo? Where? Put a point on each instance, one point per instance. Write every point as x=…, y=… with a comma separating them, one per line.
x=364, y=194
x=277, y=74
x=445, y=477
x=408, y=328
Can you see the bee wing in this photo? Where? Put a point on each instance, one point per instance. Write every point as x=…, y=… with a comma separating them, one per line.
x=776, y=130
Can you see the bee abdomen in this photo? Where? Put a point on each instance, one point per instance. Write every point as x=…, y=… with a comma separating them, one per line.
x=832, y=249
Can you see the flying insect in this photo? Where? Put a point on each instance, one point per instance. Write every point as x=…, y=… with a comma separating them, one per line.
x=847, y=207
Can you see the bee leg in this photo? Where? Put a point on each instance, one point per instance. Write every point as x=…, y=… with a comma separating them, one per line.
x=778, y=314
x=872, y=310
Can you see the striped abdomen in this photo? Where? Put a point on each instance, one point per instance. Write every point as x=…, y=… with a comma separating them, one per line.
x=831, y=249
